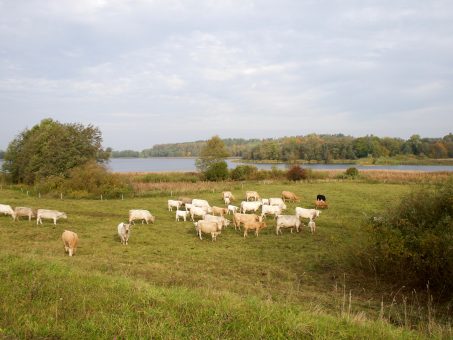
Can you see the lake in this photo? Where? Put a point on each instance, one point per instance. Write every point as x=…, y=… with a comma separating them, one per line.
x=160, y=164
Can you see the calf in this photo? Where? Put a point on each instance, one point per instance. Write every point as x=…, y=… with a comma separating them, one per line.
x=312, y=226
x=250, y=206
x=218, y=210
x=70, y=241
x=232, y=209
x=174, y=204
x=227, y=200
x=182, y=214
x=124, y=231
x=257, y=226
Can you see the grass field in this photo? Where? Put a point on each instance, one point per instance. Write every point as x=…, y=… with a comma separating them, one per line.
x=168, y=284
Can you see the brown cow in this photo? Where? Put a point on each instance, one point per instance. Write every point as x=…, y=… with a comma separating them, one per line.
x=289, y=196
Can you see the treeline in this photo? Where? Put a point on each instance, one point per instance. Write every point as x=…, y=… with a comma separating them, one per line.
x=311, y=147
x=2, y=154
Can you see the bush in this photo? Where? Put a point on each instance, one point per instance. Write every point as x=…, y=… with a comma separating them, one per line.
x=90, y=180
x=243, y=172
x=296, y=173
x=351, y=172
x=217, y=171
x=413, y=242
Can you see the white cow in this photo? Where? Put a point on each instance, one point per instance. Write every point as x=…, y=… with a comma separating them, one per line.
x=141, y=214
x=182, y=214
x=271, y=210
x=227, y=200
x=228, y=194
x=265, y=201
x=50, y=214
x=225, y=222
x=175, y=204
x=23, y=211
x=250, y=206
x=70, y=241
x=7, y=210
x=312, y=226
x=208, y=227
x=311, y=214
x=197, y=211
x=232, y=209
x=278, y=202
x=202, y=204
x=188, y=206
x=124, y=231
x=287, y=221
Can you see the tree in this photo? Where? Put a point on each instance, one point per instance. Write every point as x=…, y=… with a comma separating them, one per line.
x=213, y=152
x=51, y=148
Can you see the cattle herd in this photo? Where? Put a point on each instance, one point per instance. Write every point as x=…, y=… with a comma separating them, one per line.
x=206, y=218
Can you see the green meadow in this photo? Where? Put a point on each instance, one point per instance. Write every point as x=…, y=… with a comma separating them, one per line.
x=167, y=283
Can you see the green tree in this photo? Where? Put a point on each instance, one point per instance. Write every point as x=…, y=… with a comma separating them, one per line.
x=213, y=152
x=51, y=148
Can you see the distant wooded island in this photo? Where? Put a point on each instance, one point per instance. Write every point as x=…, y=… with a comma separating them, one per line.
x=312, y=148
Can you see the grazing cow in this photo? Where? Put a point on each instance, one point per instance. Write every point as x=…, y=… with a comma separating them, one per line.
x=23, y=211
x=124, y=231
x=197, y=211
x=320, y=197
x=70, y=241
x=182, y=214
x=50, y=214
x=252, y=194
x=227, y=200
x=208, y=227
x=311, y=214
x=278, y=202
x=287, y=221
x=228, y=194
x=140, y=214
x=250, y=206
x=232, y=209
x=225, y=222
x=257, y=226
x=174, y=204
x=290, y=196
x=202, y=204
x=312, y=226
x=242, y=218
x=7, y=210
x=218, y=210
x=270, y=210
x=321, y=204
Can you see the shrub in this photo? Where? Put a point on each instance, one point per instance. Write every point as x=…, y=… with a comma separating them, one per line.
x=351, y=172
x=243, y=172
x=217, y=171
x=86, y=181
x=296, y=173
x=413, y=242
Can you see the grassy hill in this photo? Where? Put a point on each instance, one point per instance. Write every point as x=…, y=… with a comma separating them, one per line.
x=168, y=284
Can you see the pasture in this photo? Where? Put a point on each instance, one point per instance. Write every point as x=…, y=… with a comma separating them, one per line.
x=168, y=284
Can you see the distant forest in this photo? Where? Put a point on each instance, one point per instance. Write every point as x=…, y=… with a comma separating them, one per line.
x=311, y=147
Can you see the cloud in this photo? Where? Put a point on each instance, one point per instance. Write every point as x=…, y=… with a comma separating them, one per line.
x=160, y=71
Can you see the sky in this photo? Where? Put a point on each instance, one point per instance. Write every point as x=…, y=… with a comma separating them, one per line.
x=148, y=72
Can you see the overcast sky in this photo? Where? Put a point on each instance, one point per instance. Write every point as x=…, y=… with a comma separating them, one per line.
x=161, y=71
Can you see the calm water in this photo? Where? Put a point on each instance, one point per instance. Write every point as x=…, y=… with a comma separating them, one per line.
x=188, y=164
